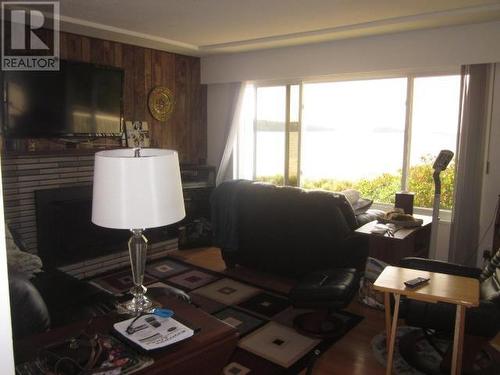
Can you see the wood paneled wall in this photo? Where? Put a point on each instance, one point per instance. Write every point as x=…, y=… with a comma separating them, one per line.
x=144, y=69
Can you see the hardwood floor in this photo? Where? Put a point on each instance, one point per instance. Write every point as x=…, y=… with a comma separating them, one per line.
x=351, y=355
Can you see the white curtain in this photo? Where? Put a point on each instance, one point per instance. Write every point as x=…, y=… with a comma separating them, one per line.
x=231, y=131
x=470, y=163
x=237, y=159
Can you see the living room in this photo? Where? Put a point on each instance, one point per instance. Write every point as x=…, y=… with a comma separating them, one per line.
x=210, y=79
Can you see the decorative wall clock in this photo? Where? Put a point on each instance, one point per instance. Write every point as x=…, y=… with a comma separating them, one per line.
x=161, y=103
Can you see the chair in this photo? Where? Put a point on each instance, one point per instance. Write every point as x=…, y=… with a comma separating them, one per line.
x=482, y=322
x=325, y=291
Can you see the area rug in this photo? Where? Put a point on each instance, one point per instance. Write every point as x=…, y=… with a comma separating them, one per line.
x=268, y=342
x=399, y=365
x=424, y=358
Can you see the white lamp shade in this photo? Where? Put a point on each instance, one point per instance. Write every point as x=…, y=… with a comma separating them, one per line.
x=137, y=192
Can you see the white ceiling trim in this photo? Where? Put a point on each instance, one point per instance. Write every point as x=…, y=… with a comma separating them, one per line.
x=469, y=15
x=459, y=16
x=116, y=34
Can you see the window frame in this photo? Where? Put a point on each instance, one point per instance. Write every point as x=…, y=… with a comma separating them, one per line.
x=405, y=168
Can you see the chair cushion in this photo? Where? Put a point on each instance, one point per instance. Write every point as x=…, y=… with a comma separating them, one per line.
x=490, y=288
x=483, y=321
x=332, y=288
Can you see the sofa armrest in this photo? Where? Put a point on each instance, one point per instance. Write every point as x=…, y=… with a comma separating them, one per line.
x=370, y=215
x=440, y=266
x=28, y=310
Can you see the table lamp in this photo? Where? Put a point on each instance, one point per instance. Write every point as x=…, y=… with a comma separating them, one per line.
x=137, y=189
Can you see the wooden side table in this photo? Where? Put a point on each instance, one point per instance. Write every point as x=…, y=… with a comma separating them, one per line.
x=406, y=242
x=458, y=290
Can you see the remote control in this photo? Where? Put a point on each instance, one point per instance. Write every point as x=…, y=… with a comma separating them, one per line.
x=413, y=283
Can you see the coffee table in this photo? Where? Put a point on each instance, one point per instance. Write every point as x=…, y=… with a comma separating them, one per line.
x=458, y=290
x=207, y=352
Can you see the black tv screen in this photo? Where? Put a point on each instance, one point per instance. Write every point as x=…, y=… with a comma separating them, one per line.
x=80, y=99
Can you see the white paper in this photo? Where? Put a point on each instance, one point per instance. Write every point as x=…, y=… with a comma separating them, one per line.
x=169, y=332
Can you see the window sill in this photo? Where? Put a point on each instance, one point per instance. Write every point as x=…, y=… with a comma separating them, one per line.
x=444, y=215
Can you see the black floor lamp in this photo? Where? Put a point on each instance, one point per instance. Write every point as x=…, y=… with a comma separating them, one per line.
x=440, y=165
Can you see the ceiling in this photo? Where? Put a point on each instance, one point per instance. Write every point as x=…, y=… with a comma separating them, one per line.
x=202, y=27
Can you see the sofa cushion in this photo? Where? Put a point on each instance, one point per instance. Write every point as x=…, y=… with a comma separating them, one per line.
x=362, y=205
x=351, y=195
x=19, y=260
x=359, y=205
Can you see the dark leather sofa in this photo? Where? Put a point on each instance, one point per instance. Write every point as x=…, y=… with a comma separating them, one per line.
x=28, y=309
x=52, y=299
x=285, y=230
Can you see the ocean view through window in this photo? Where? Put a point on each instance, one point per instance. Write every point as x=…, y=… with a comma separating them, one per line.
x=378, y=136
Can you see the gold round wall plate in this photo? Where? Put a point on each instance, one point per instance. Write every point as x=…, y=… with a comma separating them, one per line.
x=161, y=103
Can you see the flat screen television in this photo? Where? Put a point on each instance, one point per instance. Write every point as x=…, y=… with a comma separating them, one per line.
x=81, y=99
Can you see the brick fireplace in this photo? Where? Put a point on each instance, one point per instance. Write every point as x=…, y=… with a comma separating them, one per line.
x=23, y=174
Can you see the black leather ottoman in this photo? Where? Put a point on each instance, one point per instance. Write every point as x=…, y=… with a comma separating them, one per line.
x=326, y=291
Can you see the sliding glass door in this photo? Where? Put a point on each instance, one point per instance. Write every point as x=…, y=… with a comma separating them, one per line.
x=270, y=123
x=353, y=133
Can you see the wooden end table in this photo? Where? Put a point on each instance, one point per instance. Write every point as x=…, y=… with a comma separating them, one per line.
x=407, y=242
x=458, y=290
x=207, y=352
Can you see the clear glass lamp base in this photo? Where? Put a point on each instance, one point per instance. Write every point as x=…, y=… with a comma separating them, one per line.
x=131, y=308
x=137, y=246
x=137, y=305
